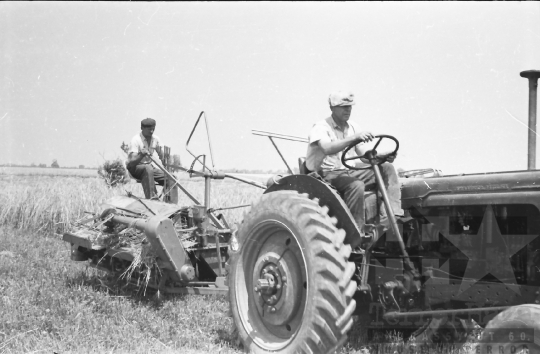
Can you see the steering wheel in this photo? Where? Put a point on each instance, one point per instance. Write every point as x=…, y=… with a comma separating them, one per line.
x=371, y=155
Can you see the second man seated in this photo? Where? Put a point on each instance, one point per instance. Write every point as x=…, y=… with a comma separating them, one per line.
x=140, y=166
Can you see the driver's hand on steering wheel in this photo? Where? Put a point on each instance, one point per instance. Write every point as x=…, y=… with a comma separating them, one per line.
x=364, y=137
x=390, y=158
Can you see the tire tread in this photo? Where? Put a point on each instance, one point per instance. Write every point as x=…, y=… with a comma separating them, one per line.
x=332, y=298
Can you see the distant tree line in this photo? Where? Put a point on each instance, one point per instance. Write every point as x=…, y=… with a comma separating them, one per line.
x=54, y=164
x=175, y=158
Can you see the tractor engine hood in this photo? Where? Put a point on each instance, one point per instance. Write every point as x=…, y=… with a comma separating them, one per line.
x=415, y=190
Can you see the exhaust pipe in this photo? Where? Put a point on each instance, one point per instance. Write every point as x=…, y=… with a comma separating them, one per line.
x=532, y=76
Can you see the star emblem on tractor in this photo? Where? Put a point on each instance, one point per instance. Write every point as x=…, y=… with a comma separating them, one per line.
x=488, y=252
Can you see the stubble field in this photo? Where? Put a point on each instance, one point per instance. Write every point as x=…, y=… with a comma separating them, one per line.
x=50, y=304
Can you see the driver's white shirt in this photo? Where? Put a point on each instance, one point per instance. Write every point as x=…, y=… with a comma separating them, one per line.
x=138, y=142
x=316, y=160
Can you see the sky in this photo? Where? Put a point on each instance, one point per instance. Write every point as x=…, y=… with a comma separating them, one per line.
x=76, y=79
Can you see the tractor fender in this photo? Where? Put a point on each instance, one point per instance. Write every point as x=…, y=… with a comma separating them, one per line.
x=327, y=196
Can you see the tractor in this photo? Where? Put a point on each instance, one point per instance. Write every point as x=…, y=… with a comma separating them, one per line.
x=298, y=269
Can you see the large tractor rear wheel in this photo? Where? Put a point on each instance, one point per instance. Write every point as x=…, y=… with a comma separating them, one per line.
x=515, y=330
x=289, y=278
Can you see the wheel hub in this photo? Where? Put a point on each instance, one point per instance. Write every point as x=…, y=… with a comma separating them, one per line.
x=269, y=286
x=277, y=298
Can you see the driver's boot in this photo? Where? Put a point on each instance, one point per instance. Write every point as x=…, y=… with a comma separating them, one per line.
x=368, y=235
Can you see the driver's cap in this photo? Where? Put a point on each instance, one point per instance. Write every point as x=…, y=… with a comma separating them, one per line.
x=341, y=98
x=148, y=122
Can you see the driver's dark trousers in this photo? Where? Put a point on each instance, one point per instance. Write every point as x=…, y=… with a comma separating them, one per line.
x=351, y=186
x=148, y=175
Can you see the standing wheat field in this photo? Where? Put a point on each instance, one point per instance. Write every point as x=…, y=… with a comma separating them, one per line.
x=51, y=204
x=50, y=304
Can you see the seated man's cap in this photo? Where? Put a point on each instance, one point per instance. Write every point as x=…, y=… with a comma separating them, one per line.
x=341, y=98
x=148, y=122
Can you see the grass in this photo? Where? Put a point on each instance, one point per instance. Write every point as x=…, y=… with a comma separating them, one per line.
x=49, y=303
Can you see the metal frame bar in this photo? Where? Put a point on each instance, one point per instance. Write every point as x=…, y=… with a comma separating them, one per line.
x=271, y=135
x=397, y=315
x=208, y=136
x=212, y=217
x=197, y=291
x=253, y=183
x=279, y=136
x=391, y=217
x=209, y=141
x=247, y=181
x=227, y=175
x=280, y=155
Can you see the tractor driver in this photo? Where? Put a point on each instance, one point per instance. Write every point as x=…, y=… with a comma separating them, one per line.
x=140, y=165
x=328, y=138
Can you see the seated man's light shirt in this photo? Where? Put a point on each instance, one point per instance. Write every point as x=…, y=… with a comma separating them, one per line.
x=316, y=160
x=139, y=142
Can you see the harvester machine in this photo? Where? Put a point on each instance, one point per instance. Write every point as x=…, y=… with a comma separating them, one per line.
x=158, y=244
x=154, y=244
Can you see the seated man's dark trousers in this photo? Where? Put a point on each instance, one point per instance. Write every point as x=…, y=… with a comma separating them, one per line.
x=148, y=175
x=351, y=185
x=351, y=190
